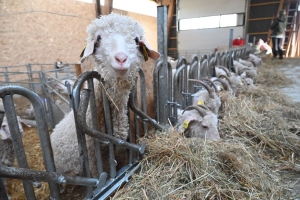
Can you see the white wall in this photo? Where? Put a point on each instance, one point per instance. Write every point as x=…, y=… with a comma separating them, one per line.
x=207, y=39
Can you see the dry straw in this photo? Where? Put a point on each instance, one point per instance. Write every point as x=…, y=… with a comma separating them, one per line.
x=260, y=139
x=258, y=152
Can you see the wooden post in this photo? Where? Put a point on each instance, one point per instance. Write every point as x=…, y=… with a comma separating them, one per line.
x=78, y=69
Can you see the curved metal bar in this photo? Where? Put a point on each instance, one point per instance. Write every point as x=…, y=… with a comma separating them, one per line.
x=36, y=175
x=144, y=116
x=158, y=67
x=5, y=93
x=97, y=134
x=194, y=72
x=180, y=81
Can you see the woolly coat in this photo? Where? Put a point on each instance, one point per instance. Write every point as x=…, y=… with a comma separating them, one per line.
x=63, y=139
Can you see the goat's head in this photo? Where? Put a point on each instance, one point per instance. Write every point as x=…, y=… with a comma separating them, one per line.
x=118, y=45
x=5, y=132
x=205, y=126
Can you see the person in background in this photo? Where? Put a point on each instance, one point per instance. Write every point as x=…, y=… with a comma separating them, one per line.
x=238, y=41
x=278, y=27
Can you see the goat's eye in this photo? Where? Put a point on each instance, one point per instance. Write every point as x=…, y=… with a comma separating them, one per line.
x=98, y=38
x=205, y=126
x=136, y=40
x=4, y=126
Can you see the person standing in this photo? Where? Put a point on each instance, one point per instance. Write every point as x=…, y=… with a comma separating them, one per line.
x=278, y=27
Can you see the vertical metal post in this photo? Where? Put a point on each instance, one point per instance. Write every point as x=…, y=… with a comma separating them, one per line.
x=6, y=75
x=30, y=79
x=3, y=194
x=162, y=17
x=17, y=141
x=254, y=38
x=247, y=40
x=230, y=38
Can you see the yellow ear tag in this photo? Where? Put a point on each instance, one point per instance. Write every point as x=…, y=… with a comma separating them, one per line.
x=82, y=52
x=0, y=136
x=185, y=124
x=221, y=87
x=143, y=50
x=200, y=102
x=241, y=83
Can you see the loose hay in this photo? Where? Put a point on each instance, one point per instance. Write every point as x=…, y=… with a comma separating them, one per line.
x=257, y=158
x=260, y=140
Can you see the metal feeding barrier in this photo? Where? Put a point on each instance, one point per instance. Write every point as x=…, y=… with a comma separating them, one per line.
x=179, y=90
x=96, y=188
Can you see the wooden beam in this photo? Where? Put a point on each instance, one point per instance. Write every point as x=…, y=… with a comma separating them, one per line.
x=263, y=18
x=171, y=6
x=258, y=33
x=268, y=3
x=107, y=8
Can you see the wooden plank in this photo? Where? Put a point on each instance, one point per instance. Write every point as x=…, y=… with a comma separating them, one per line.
x=107, y=8
x=258, y=33
x=171, y=5
x=263, y=18
x=268, y=3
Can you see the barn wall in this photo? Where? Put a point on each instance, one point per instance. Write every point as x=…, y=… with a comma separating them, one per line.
x=36, y=31
x=207, y=39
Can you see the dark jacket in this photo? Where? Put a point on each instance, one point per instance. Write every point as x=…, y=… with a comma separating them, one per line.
x=278, y=26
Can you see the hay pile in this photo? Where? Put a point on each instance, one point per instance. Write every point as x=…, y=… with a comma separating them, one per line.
x=35, y=161
x=257, y=158
x=259, y=150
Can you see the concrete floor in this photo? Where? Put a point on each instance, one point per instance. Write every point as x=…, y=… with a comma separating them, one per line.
x=291, y=68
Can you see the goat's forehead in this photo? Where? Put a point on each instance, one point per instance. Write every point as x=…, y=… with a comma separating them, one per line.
x=115, y=24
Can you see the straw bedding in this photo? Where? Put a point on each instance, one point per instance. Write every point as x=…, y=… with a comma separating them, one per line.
x=256, y=158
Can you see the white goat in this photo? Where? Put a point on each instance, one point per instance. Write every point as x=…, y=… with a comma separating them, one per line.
x=7, y=154
x=207, y=97
x=255, y=59
x=118, y=46
x=199, y=122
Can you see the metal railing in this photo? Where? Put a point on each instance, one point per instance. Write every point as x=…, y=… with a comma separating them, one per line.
x=179, y=89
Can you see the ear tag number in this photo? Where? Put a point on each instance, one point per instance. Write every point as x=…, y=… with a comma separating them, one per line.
x=200, y=102
x=144, y=52
x=185, y=124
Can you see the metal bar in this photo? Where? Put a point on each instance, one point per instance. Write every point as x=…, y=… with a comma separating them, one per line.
x=230, y=38
x=17, y=141
x=162, y=37
x=109, y=131
x=81, y=115
x=67, y=84
x=143, y=97
x=135, y=109
x=95, y=126
x=6, y=75
x=49, y=108
x=110, y=187
x=82, y=147
x=156, y=88
x=36, y=175
x=3, y=194
x=41, y=126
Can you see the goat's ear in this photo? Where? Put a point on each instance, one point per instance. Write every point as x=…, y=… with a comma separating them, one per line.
x=146, y=51
x=87, y=51
x=3, y=135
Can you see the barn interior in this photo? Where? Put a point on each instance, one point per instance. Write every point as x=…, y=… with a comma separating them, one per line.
x=257, y=153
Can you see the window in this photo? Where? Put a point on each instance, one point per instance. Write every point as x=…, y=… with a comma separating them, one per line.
x=218, y=21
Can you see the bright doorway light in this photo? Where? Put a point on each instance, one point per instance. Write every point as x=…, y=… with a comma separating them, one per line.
x=189, y=24
x=209, y=22
x=228, y=20
x=145, y=7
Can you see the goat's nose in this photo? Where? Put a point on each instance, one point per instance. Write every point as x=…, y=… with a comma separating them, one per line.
x=121, y=57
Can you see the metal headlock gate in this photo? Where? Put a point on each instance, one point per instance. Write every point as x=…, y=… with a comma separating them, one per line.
x=179, y=90
x=179, y=95
x=96, y=188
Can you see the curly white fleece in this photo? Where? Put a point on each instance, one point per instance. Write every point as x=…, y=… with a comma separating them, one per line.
x=63, y=138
